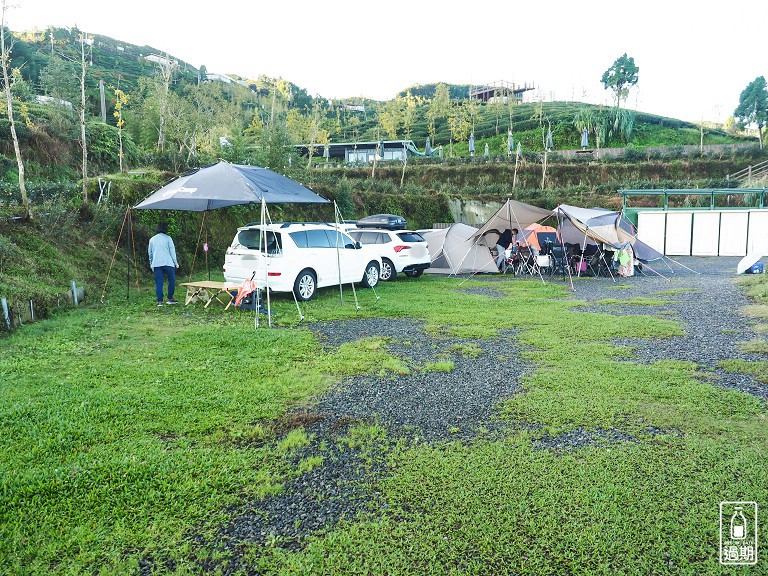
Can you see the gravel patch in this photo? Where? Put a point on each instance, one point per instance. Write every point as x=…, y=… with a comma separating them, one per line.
x=423, y=406
x=707, y=304
x=578, y=438
x=460, y=404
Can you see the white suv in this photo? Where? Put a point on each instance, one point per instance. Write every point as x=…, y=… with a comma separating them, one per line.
x=299, y=257
x=400, y=250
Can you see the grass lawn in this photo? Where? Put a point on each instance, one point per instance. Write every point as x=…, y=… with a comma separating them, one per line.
x=128, y=433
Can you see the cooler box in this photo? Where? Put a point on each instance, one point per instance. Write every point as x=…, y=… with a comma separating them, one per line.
x=757, y=268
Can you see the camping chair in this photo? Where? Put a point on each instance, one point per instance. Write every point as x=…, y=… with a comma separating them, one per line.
x=604, y=263
x=527, y=261
x=512, y=263
x=591, y=257
x=246, y=294
x=559, y=260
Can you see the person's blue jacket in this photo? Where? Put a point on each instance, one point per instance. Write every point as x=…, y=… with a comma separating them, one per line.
x=162, y=252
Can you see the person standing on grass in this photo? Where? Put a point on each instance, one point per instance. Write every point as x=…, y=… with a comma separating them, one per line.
x=162, y=260
x=502, y=244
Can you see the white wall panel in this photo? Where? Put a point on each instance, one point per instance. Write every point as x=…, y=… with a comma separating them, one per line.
x=706, y=233
x=650, y=229
x=758, y=231
x=733, y=233
x=678, y=233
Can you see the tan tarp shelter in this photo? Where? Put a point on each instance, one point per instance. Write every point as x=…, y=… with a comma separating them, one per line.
x=512, y=214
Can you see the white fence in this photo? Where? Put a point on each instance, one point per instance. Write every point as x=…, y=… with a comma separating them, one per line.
x=704, y=232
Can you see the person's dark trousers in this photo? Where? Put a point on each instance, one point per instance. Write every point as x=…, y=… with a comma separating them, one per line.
x=162, y=272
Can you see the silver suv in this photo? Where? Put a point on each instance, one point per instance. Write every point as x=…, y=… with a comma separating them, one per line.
x=400, y=250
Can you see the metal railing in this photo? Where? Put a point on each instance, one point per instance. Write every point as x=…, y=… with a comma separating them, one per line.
x=750, y=174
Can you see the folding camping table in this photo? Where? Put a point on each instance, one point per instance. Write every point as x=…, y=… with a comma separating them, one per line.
x=209, y=290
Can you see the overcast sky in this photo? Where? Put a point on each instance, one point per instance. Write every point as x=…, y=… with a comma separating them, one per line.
x=694, y=58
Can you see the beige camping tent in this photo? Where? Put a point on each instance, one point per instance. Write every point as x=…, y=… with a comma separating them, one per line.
x=454, y=250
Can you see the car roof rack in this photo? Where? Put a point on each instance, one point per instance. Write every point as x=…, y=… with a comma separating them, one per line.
x=288, y=224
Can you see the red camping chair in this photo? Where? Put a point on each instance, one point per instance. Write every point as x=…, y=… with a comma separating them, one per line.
x=248, y=288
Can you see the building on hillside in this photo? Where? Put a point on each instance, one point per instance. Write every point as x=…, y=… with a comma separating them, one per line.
x=51, y=100
x=213, y=77
x=500, y=90
x=354, y=107
x=362, y=152
x=161, y=60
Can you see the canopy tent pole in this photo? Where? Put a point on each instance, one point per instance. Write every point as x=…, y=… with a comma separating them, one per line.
x=602, y=257
x=197, y=246
x=681, y=265
x=473, y=273
x=565, y=253
x=263, y=220
x=296, y=301
x=601, y=254
x=583, y=247
x=336, y=214
x=654, y=271
x=133, y=244
x=114, y=254
x=205, y=251
x=354, y=293
x=517, y=221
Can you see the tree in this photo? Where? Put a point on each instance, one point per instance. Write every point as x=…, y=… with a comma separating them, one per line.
x=5, y=57
x=83, y=40
x=620, y=78
x=410, y=108
x=167, y=68
x=439, y=108
x=458, y=123
x=753, y=106
x=121, y=99
x=391, y=117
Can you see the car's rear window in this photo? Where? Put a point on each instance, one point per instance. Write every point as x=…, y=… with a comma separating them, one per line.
x=370, y=237
x=410, y=237
x=321, y=239
x=253, y=239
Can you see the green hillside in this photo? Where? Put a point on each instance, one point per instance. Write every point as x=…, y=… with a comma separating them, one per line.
x=260, y=113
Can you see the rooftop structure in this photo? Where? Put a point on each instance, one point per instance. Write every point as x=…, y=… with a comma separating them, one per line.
x=500, y=89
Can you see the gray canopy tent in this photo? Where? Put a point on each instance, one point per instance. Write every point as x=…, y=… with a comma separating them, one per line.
x=221, y=185
x=604, y=228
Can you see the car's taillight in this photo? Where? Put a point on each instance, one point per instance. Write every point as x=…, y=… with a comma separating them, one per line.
x=274, y=273
x=399, y=248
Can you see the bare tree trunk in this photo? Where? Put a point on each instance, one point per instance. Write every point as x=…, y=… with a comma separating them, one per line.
x=4, y=59
x=375, y=157
x=514, y=177
x=166, y=69
x=120, y=152
x=82, y=122
x=405, y=161
x=103, y=99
